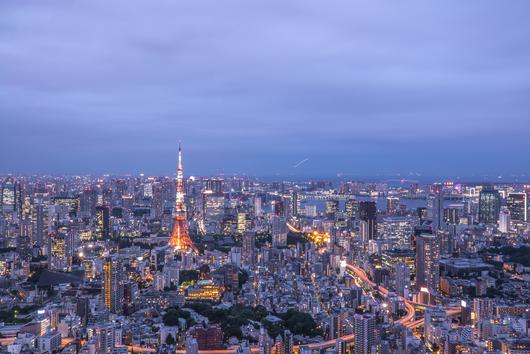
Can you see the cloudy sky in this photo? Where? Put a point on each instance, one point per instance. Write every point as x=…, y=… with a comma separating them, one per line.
x=438, y=88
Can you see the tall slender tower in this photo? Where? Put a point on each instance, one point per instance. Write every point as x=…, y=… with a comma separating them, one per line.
x=180, y=238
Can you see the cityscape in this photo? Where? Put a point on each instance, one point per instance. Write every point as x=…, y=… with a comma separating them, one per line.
x=283, y=177
x=239, y=265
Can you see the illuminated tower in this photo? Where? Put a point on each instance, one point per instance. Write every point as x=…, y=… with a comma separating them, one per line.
x=112, y=286
x=180, y=238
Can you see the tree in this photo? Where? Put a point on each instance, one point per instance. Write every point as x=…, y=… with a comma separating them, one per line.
x=170, y=340
x=171, y=317
x=188, y=275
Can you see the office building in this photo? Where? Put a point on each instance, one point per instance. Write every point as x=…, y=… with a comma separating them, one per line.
x=102, y=227
x=112, y=284
x=489, y=206
x=505, y=223
x=364, y=333
x=368, y=218
x=427, y=256
x=517, y=204
x=248, y=253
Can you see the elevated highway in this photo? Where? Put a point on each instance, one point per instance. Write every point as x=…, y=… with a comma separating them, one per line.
x=408, y=320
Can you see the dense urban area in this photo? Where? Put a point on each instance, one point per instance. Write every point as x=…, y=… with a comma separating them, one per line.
x=165, y=264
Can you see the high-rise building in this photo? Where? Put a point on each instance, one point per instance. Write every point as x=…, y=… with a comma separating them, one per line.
x=40, y=223
x=278, y=231
x=517, y=204
x=112, y=284
x=11, y=195
x=208, y=338
x=102, y=222
x=489, y=205
x=483, y=309
x=288, y=342
x=157, y=201
x=436, y=208
x=88, y=200
x=402, y=277
x=241, y=223
x=295, y=201
x=83, y=309
x=105, y=334
x=453, y=213
x=364, y=333
x=264, y=342
x=26, y=229
x=392, y=204
x=368, y=217
x=504, y=220
x=180, y=239
x=278, y=208
x=192, y=347
x=257, y=206
x=248, y=251
x=57, y=252
x=311, y=211
x=332, y=207
x=422, y=214
x=213, y=206
x=352, y=208
x=339, y=325
x=215, y=185
x=427, y=257
x=435, y=318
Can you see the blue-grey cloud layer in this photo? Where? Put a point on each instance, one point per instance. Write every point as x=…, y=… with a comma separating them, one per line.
x=366, y=88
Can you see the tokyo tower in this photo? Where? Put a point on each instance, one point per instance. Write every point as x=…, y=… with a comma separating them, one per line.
x=180, y=239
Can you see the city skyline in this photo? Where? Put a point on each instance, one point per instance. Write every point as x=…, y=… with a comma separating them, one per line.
x=300, y=177
x=430, y=89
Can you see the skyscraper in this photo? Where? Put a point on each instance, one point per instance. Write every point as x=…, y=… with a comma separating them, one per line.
x=368, y=217
x=332, y=207
x=26, y=229
x=257, y=206
x=489, y=205
x=102, y=222
x=504, y=220
x=11, y=199
x=215, y=185
x=248, y=254
x=422, y=214
x=517, y=204
x=180, y=238
x=40, y=223
x=392, y=204
x=112, y=284
x=241, y=222
x=435, y=318
x=402, y=277
x=437, y=210
x=364, y=333
x=88, y=202
x=352, y=208
x=278, y=231
x=57, y=251
x=427, y=256
x=295, y=203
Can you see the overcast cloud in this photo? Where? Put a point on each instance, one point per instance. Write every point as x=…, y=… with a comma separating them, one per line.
x=362, y=88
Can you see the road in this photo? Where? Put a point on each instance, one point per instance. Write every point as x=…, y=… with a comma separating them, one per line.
x=408, y=320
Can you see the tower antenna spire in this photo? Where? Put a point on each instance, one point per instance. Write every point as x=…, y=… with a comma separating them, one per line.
x=180, y=238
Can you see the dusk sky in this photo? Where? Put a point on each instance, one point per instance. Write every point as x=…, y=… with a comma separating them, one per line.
x=437, y=88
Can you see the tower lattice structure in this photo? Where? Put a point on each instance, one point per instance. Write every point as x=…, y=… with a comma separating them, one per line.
x=180, y=238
